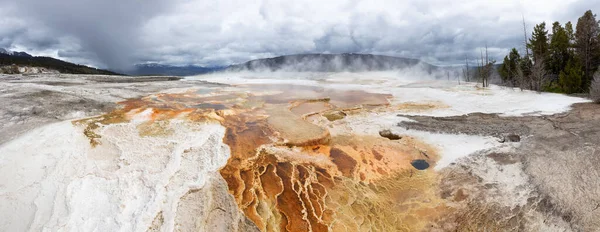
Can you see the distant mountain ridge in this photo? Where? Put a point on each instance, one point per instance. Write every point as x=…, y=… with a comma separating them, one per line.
x=13, y=63
x=169, y=70
x=11, y=53
x=351, y=62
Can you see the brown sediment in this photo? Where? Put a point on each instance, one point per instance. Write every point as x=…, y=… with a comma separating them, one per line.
x=402, y=201
x=309, y=107
x=338, y=98
x=155, y=129
x=420, y=106
x=285, y=94
x=358, y=97
x=334, y=115
x=345, y=163
x=294, y=130
x=377, y=157
x=315, y=100
x=389, y=135
x=158, y=221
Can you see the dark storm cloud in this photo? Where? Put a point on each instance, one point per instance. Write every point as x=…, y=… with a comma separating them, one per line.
x=107, y=30
x=116, y=33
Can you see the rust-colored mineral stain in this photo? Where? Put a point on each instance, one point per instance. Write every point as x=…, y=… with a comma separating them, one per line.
x=345, y=163
x=244, y=138
x=377, y=157
x=271, y=183
x=420, y=106
x=244, y=135
x=295, y=192
x=288, y=174
x=299, y=190
x=291, y=190
x=288, y=202
x=116, y=116
x=167, y=113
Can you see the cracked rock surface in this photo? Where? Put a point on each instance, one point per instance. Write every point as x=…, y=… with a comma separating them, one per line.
x=558, y=157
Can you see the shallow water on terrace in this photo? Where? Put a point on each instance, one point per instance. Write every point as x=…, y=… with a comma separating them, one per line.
x=204, y=91
x=310, y=107
x=420, y=164
x=210, y=106
x=340, y=98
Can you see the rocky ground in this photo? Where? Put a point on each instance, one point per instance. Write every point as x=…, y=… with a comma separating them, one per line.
x=558, y=156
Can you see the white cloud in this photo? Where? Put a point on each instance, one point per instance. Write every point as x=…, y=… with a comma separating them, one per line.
x=228, y=31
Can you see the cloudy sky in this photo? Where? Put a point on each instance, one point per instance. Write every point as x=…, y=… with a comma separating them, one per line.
x=117, y=33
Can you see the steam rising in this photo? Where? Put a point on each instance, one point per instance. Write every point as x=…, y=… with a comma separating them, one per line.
x=418, y=73
x=331, y=63
x=338, y=67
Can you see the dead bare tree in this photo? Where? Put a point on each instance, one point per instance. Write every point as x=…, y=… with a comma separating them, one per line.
x=488, y=70
x=539, y=75
x=466, y=70
x=485, y=68
x=480, y=69
x=522, y=79
x=525, y=40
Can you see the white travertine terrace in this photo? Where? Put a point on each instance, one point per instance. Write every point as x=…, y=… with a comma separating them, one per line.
x=53, y=179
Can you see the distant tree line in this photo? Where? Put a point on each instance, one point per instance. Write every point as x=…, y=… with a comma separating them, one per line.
x=51, y=63
x=484, y=70
x=563, y=60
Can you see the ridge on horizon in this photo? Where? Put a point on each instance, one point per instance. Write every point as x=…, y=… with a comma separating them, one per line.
x=320, y=62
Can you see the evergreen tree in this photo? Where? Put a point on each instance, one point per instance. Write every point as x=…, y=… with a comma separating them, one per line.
x=571, y=77
x=559, y=49
x=539, y=42
x=505, y=70
x=586, y=39
x=570, y=33
x=509, y=69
